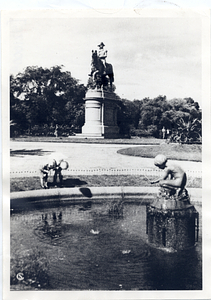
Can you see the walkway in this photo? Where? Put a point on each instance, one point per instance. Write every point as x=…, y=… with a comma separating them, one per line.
x=26, y=157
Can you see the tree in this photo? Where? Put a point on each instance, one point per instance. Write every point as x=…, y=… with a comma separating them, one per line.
x=151, y=114
x=181, y=116
x=46, y=97
x=187, y=121
x=126, y=116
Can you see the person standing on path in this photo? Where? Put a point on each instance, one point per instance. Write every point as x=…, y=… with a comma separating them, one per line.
x=164, y=132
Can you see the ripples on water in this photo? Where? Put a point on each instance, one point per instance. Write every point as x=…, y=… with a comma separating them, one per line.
x=87, y=249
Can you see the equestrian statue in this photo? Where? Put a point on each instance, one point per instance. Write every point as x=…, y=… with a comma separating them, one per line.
x=101, y=76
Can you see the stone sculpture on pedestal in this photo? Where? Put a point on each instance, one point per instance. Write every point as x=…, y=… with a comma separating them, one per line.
x=101, y=103
x=101, y=75
x=172, y=222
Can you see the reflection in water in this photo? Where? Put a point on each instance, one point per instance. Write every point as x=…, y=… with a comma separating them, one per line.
x=117, y=258
x=85, y=206
x=51, y=227
x=116, y=209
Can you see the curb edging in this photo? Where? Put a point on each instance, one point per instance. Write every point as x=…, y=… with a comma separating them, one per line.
x=96, y=194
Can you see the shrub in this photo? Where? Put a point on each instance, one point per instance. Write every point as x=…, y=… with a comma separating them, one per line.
x=149, y=132
x=46, y=130
x=29, y=269
x=139, y=132
x=153, y=130
x=188, y=132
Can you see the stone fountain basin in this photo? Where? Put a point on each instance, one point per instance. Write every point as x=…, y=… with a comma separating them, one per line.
x=145, y=195
x=88, y=249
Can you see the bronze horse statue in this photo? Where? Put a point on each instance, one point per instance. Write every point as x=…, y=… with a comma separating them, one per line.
x=102, y=75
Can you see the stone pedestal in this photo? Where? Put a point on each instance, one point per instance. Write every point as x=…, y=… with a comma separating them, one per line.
x=172, y=222
x=100, y=115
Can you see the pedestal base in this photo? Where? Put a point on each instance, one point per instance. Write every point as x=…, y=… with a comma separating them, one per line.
x=92, y=130
x=100, y=115
x=111, y=132
x=172, y=224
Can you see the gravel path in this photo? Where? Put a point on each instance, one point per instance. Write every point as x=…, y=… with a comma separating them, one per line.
x=26, y=157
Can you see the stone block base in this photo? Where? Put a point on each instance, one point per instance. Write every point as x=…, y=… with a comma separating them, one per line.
x=111, y=132
x=92, y=130
x=172, y=224
x=100, y=115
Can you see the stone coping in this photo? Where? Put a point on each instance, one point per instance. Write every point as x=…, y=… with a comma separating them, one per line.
x=80, y=194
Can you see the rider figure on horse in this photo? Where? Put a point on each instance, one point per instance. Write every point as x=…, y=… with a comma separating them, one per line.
x=101, y=72
x=102, y=53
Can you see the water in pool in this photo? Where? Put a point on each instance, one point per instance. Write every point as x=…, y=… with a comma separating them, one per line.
x=82, y=247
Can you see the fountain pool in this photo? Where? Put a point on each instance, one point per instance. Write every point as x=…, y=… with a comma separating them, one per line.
x=82, y=247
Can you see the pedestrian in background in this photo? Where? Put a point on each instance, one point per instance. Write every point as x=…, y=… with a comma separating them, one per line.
x=164, y=132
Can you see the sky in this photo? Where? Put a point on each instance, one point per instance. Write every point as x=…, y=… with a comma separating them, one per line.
x=151, y=56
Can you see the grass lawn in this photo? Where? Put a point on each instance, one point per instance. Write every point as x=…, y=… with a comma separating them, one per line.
x=33, y=183
x=172, y=151
x=133, y=140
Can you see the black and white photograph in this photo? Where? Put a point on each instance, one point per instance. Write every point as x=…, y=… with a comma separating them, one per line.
x=102, y=137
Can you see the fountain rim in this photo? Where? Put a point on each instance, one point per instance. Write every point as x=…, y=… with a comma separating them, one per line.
x=145, y=195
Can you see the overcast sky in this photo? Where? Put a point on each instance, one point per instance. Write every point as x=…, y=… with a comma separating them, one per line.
x=150, y=56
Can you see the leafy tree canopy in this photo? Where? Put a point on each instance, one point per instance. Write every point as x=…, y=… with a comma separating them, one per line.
x=41, y=96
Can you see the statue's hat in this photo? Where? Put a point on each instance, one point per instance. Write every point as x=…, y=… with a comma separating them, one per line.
x=101, y=44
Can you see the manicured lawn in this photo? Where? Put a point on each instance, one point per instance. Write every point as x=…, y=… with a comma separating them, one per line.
x=133, y=140
x=172, y=151
x=33, y=183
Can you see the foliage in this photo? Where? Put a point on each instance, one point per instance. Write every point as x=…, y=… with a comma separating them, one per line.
x=181, y=116
x=29, y=269
x=126, y=116
x=45, y=97
x=187, y=131
x=46, y=130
